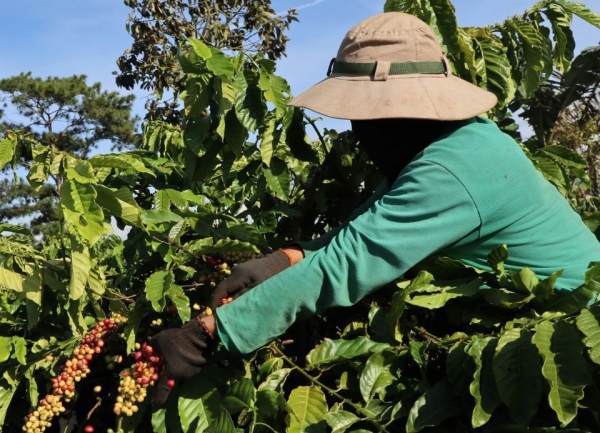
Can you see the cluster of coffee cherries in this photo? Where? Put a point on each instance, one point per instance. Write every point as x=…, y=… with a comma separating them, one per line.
x=234, y=257
x=226, y=301
x=134, y=382
x=221, y=266
x=72, y=371
x=221, y=270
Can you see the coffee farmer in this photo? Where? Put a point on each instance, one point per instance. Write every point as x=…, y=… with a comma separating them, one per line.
x=455, y=185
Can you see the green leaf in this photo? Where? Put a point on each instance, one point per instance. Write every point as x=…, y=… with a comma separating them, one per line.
x=376, y=376
x=222, y=423
x=438, y=300
x=456, y=368
x=81, y=211
x=235, y=134
x=119, y=203
x=12, y=281
x=564, y=42
x=341, y=420
x=564, y=367
x=123, y=161
x=154, y=216
x=278, y=178
x=270, y=139
x=275, y=90
x=268, y=367
x=269, y=403
x=581, y=11
x=33, y=288
x=588, y=323
x=158, y=421
x=375, y=409
x=307, y=407
x=275, y=380
x=483, y=387
x=199, y=404
x=493, y=66
x=6, y=395
x=395, y=312
x=7, y=227
x=7, y=151
x=296, y=138
x=157, y=286
x=433, y=407
x=32, y=388
x=553, y=173
x=531, y=41
x=249, y=104
x=134, y=319
x=81, y=265
x=565, y=156
x=517, y=367
x=524, y=280
x=200, y=48
x=195, y=133
x=219, y=64
x=177, y=199
x=20, y=350
x=97, y=279
x=496, y=259
x=466, y=47
x=180, y=300
x=161, y=200
x=240, y=395
x=75, y=315
x=506, y=298
x=177, y=230
x=439, y=14
x=40, y=166
x=82, y=172
x=573, y=301
x=331, y=351
x=5, y=348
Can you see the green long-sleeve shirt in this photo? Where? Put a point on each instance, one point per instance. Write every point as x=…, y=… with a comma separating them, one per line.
x=468, y=192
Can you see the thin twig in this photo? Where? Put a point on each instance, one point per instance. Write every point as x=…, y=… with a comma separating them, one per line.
x=265, y=425
x=96, y=406
x=175, y=245
x=334, y=393
x=314, y=126
x=120, y=298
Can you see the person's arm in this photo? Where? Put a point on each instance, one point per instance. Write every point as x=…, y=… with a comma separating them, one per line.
x=309, y=247
x=426, y=210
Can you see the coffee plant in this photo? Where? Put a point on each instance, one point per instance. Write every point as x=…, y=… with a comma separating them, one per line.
x=445, y=348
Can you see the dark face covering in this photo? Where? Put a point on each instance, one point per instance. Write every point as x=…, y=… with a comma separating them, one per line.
x=393, y=143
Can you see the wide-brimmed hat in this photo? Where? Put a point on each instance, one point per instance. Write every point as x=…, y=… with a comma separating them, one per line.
x=391, y=66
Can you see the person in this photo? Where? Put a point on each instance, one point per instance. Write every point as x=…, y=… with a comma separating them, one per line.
x=455, y=185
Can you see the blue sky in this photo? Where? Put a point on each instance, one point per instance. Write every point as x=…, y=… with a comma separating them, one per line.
x=66, y=37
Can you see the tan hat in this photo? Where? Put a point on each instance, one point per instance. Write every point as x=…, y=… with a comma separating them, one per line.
x=391, y=66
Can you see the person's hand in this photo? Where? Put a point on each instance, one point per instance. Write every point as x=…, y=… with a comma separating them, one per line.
x=182, y=351
x=249, y=274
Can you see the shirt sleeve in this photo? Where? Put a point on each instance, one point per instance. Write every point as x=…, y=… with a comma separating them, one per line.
x=309, y=247
x=426, y=211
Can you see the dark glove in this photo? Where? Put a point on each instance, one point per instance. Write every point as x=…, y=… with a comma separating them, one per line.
x=181, y=350
x=249, y=274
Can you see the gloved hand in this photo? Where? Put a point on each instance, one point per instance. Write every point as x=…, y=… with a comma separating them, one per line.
x=249, y=274
x=181, y=350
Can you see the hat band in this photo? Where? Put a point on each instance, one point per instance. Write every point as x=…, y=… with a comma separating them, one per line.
x=404, y=68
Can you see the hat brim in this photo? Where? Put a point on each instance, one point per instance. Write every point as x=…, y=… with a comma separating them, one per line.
x=414, y=96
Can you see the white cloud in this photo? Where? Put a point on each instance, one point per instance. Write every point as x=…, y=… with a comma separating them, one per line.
x=307, y=5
